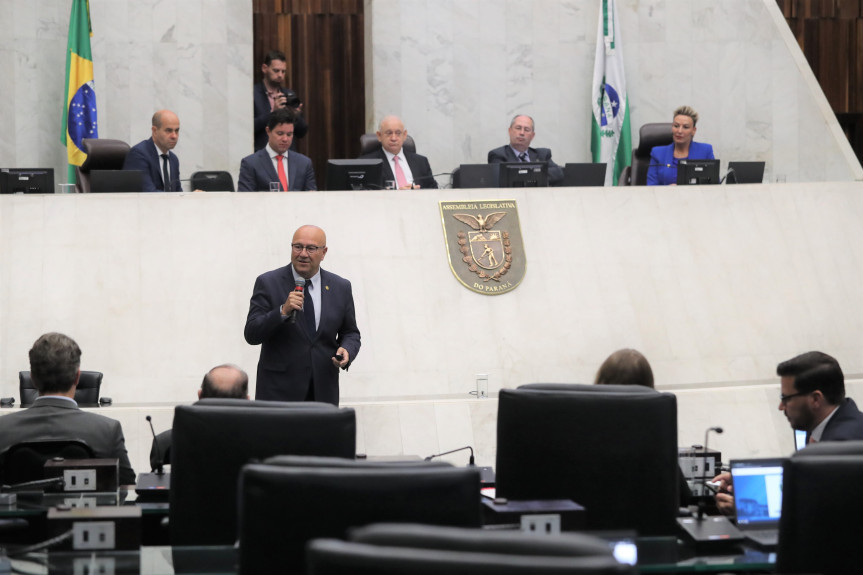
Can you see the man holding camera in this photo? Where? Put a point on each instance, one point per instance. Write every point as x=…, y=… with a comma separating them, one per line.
x=270, y=96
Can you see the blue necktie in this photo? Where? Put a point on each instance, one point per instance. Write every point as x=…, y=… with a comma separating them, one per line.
x=309, y=309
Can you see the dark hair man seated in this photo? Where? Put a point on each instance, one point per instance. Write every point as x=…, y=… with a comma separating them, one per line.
x=55, y=362
x=228, y=381
x=813, y=399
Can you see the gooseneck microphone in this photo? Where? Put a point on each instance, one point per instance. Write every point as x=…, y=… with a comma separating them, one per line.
x=299, y=284
x=704, y=467
x=470, y=461
x=730, y=175
x=160, y=466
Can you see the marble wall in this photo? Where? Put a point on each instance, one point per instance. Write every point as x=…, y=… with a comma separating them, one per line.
x=457, y=72
x=191, y=56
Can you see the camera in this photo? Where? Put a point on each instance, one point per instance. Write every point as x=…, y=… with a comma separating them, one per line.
x=291, y=99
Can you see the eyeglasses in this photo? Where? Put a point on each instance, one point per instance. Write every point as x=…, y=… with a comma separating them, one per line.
x=311, y=250
x=396, y=133
x=784, y=398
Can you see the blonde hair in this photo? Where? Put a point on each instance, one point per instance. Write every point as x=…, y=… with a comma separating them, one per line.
x=687, y=111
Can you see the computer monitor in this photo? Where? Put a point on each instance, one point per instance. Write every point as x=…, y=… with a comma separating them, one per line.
x=697, y=172
x=27, y=181
x=745, y=173
x=355, y=174
x=523, y=175
x=586, y=174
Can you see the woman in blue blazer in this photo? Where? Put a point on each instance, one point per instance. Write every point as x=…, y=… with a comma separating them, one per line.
x=663, y=159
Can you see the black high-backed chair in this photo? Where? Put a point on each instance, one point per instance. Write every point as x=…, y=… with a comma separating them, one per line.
x=369, y=143
x=602, y=446
x=212, y=182
x=25, y=461
x=428, y=549
x=211, y=441
x=650, y=135
x=287, y=502
x=102, y=154
x=820, y=530
x=86, y=394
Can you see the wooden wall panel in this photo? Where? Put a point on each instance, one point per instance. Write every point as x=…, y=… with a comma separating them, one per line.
x=324, y=45
x=830, y=33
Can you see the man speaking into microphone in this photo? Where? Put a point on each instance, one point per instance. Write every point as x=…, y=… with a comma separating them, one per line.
x=304, y=319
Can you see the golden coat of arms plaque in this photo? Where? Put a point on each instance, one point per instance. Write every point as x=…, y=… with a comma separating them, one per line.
x=484, y=244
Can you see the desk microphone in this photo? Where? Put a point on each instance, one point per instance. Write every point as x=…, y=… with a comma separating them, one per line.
x=299, y=283
x=470, y=461
x=728, y=175
x=160, y=467
x=50, y=482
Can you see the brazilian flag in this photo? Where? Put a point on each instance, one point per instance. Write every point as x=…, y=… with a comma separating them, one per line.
x=79, y=106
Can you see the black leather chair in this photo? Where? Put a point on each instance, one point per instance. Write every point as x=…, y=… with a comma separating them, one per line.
x=86, y=394
x=819, y=530
x=602, y=446
x=25, y=461
x=285, y=504
x=650, y=135
x=102, y=154
x=369, y=143
x=212, y=440
x=212, y=182
x=426, y=549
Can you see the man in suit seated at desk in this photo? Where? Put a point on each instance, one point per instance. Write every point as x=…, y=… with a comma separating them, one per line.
x=408, y=170
x=521, y=134
x=228, y=381
x=813, y=400
x=274, y=163
x=154, y=158
x=55, y=362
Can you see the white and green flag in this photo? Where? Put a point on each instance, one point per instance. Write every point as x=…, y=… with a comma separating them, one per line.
x=610, y=138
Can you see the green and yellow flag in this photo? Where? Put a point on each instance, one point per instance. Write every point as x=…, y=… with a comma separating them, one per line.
x=79, y=105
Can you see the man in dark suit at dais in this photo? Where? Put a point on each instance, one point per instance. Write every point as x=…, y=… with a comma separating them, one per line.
x=276, y=163
x=407, y=169
x=521, y=134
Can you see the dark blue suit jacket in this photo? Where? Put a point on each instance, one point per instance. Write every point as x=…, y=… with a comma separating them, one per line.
x=257, y=171
x=419, y=165
x=144, y=157
x=262, y=116
x=658, y=174
x=505, y=154
x=845, y=425
x=291, y=358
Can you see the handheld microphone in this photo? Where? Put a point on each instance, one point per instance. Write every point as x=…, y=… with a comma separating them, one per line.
x=160, y=467
x=298, y=286
x=470, y=461
x=704, y=467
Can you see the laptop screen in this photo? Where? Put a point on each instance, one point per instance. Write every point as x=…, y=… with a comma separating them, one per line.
x=799, y=439
x=757, y=490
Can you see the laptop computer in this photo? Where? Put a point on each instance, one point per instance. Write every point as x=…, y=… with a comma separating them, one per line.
x=581, y=175
x=758, y=498
x=799, y=439
x=476, y=176
x=115, y=181
x=745, y=173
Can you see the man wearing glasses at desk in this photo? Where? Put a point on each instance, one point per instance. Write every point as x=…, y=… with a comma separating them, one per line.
x=813, y=400
x=306, y=333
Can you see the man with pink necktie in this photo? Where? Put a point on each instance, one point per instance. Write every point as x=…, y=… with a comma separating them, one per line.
x=408, y=169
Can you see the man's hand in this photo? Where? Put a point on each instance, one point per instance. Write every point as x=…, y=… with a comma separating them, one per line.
x=294, y=301
x=724, y=497
x=345, y=358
